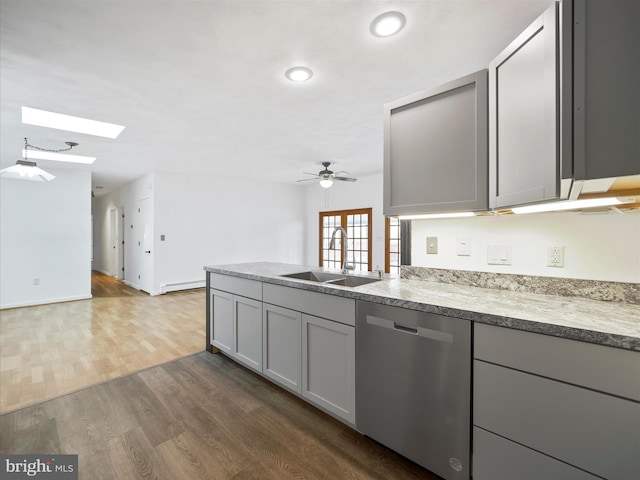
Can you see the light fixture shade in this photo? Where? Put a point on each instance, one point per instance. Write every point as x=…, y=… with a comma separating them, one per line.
x=388, y=24
x=24, y=170
x=326, y=182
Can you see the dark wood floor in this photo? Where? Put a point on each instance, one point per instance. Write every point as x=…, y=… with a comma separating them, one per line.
x=200, y=417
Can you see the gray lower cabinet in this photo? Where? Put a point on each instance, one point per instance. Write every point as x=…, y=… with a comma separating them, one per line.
x=303, y=341
x=553, y=408
x=281, y=349
x=315, y=352
x=235, y=323
x=247, y=322
x=328, y=365
x=221, y=321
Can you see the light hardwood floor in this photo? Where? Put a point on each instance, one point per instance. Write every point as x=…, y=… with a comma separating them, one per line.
x=49, y=350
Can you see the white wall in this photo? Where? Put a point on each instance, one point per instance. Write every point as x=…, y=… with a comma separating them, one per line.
x=209, y=220
x=127, y=197
x=45, y=233
x=597, y=246
x=365, y=193
x=205, y=220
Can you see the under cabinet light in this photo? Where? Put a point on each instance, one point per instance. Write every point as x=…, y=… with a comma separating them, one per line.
x=42, y=118
x=59, y=157
x=573, y=204
x=437, y=215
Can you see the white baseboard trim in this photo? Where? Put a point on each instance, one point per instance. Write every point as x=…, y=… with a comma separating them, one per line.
x=45, y=302
x=176, y=286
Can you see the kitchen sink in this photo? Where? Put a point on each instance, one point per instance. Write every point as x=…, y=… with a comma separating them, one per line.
x=332, y=278
x=353, y=281
x=315, y=276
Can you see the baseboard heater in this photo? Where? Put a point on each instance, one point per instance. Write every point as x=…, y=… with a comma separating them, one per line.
x=175, y=286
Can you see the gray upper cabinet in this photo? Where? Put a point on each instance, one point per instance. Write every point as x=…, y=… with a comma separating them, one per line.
x=564, y=102
x=435, y=149
x=606, y=97
x=524, y=153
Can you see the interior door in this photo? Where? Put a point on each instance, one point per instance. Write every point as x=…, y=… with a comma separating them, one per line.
x=145, y=245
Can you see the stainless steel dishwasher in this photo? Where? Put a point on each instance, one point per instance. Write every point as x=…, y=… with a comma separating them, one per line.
x=413, y=385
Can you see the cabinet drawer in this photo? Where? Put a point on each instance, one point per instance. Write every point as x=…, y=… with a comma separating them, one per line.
x=496, y=458
x=580, y=363
x=338, y=309
x=238, y=286
x=590, y=430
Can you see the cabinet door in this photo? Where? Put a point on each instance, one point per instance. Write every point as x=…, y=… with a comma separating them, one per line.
x=221, y=321
x=247, y=317
x=328, y=365
x=281, y=346
x=524, y=155
x=435, y=149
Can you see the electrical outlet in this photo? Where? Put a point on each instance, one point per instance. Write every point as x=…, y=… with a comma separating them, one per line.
x=36, y=281
x=555, y=257
x=432, y=245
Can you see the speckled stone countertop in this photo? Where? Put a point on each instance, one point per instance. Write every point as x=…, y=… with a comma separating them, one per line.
x=594, y=321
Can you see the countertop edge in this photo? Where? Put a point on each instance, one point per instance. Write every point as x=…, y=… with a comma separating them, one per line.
x=545, y=328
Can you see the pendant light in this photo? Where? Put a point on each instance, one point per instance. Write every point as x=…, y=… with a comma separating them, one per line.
x=26, y=170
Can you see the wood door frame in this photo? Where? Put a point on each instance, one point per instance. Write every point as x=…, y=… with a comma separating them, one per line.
x=343, y=222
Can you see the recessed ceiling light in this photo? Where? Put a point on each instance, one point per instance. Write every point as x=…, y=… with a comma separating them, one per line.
x=388, y=24
x=42, y=118
x=299, y=74
x=58, y=157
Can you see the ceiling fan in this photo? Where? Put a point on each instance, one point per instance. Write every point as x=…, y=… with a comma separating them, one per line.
x=327, y=177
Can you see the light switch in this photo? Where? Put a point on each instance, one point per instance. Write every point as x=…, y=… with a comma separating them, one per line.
x=499, y=254
x=432, y=245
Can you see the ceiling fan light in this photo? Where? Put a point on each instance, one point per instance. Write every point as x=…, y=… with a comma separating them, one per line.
x=326, y=182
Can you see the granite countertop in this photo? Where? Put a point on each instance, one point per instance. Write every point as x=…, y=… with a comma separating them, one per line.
x=601, y=322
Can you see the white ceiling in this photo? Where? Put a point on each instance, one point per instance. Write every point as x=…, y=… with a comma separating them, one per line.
x=200, y=85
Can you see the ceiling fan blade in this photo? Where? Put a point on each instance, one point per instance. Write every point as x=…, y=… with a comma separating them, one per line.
x=345, y=179
x=307, y=179
x=307, y=173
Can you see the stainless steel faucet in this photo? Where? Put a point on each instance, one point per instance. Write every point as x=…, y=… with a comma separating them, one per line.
x=344, y=249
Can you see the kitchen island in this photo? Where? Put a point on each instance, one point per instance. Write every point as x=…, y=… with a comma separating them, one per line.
x=613, y=324
x=548, y=385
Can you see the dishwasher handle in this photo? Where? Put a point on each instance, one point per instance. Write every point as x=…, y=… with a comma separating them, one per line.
x=419, y=331
x=403, y=328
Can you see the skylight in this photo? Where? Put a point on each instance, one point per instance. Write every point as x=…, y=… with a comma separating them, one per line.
x=42, y=118
x=58, y=157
